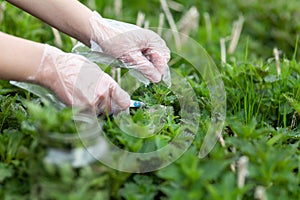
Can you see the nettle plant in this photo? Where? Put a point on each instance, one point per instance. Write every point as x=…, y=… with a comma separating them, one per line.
x=159, y=113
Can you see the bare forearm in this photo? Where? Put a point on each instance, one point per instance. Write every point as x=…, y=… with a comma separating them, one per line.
x=19, y=58
x=68, y=16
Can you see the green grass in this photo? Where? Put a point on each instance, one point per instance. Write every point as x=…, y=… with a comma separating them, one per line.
x=262, y=121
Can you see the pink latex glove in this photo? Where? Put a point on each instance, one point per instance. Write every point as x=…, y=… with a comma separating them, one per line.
x=138, y=48
x=78, y=82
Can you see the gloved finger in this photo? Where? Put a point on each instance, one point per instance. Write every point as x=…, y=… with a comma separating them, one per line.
x=159, y=56
x=158, y=59
x=138, y=61
x=120, y=100
x=108, y=90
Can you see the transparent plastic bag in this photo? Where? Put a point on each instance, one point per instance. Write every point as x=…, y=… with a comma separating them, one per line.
x=99, y=57
x=40, y=92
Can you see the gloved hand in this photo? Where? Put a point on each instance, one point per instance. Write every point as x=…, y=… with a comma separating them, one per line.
x=138, y=48
x=78, y=82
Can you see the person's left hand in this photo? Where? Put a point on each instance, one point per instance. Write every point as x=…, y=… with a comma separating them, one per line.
x=78, y=82
x=138, y=48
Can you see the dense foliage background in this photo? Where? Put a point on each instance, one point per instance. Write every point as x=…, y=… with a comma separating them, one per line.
x=260, y=141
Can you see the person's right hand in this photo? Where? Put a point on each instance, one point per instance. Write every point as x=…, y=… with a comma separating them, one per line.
x=79, y=82
x=138, y=48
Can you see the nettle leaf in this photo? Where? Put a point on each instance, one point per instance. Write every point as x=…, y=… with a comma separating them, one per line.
x=6, y=104
x=10, y=141
x=189, y=164
x=141, y=188
x=162, y=140
x=213, y=168
x=293, y=102
x=172, y=173
x=49, y=119
x=226, y=188
x=6, y=171
x=249, y=130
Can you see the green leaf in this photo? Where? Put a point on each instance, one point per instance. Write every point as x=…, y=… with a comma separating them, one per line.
x=6, y=171
x=293, y=102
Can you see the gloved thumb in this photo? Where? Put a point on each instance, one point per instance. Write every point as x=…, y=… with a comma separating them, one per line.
x=120, y=100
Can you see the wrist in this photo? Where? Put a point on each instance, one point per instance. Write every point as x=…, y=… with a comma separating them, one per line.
x=20, y=58
x=46, y=68
x=104, y=31
x=95, y=26
x=81, y=29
